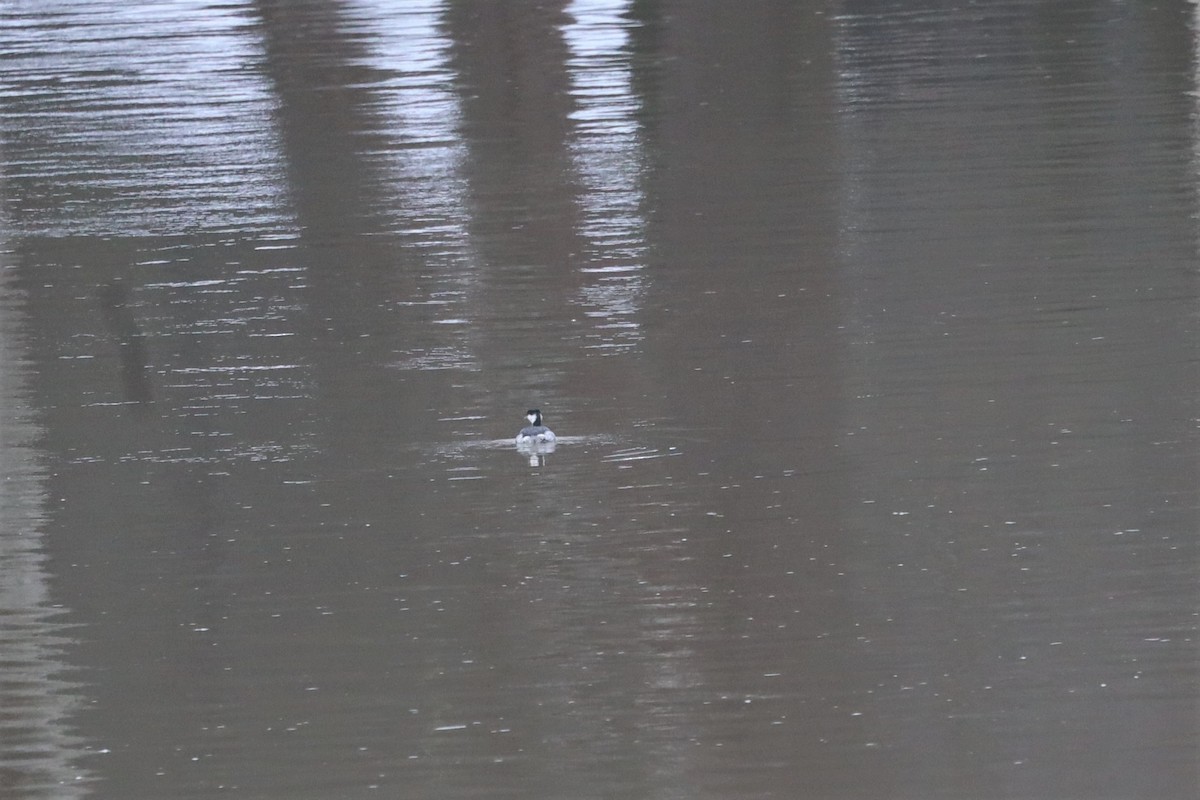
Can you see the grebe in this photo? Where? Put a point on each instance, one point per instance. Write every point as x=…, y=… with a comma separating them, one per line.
x=535, y=431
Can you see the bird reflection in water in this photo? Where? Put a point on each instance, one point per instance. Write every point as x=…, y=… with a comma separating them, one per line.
x=536, y=452
x=131, y=344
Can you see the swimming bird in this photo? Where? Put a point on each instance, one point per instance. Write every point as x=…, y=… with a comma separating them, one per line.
x=535, y=431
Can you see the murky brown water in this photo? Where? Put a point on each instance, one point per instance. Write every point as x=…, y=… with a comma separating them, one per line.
x=867, y=328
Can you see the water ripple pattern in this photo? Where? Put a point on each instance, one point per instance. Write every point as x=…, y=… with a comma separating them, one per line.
x=164, y=111
x=204, y=337
x=39, y=753
x=421, y=167
x=608, y=158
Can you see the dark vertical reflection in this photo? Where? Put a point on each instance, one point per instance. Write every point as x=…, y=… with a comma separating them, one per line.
x=130, y=341
x=326, y=90
x=739, y=114
x=354, y=172
x=509, y=64
x=509, y=61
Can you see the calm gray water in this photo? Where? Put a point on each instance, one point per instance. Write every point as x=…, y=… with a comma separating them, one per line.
x=868, y=330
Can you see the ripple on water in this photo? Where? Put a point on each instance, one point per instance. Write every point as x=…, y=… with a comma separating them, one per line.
x=156, y=114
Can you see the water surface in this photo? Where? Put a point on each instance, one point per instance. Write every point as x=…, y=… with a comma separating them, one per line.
x=868, y=331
